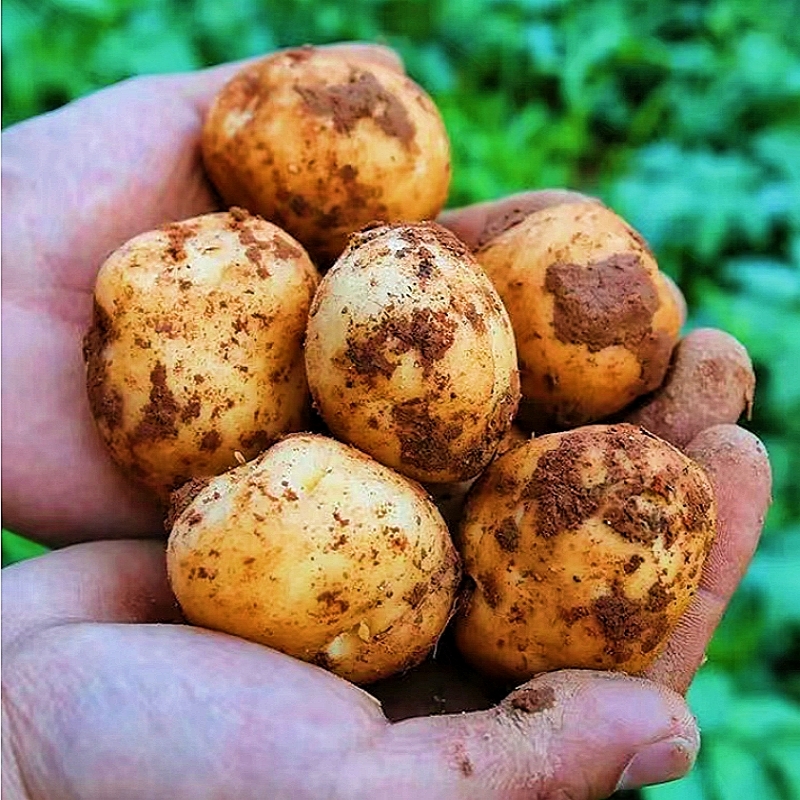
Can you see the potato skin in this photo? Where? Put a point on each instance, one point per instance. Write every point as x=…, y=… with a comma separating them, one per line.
x=585, y=548
x=195, y=349
x=710, y=381
x=323, y=143
x=318, y=551
x=410, y=353
x=595, y=321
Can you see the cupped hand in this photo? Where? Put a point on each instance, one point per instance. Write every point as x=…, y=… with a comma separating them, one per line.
x=107, y=695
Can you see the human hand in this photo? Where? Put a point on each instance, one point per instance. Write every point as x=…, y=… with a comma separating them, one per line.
x=97, y=707
x=82, y=181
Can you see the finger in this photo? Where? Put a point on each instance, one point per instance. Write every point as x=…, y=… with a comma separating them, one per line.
x=170, y=711
x=737, y=465
x=680, y=300
x=710, y=382
x=239, y=720
x=566, y=734
x=475, y=225
x=134, y=151
x=115, y=581
x=201, y=87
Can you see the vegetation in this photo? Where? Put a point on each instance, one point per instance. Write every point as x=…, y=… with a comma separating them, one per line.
x=683, y=115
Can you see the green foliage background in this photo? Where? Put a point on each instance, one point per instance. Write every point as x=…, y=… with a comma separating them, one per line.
x=683, y=115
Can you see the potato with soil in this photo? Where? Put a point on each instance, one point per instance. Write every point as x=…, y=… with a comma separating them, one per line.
x=318, y=551
x=585, y=548
x=595, y=321
x=410, y=353
x=195, y=350
x=322, y=143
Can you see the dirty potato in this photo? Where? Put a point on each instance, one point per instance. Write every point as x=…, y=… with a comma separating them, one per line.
x=195, y=349
x=585, y=548
x=320, y=552
x=410, y=353
x=323, y=143
x=595, y=321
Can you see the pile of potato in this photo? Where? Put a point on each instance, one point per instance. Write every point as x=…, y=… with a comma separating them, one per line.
x=214, y=337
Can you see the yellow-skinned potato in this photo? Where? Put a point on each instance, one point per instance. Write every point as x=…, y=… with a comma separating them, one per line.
x=585, y=548
x=410, y=353
x=318, y=551
x=594, y=319
x=195, y=350
x=323, y=143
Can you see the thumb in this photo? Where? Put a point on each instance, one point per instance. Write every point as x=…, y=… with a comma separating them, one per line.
x=575, y=734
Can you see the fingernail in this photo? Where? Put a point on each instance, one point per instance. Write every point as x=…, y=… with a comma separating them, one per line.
x=659, y=762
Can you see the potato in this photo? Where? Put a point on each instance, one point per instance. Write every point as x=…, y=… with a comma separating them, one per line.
x=320, y=552
x=585, y=548
x=595, y=321
x=195, y=349
x=710, y=382
x=323, y=143
x=410, y=353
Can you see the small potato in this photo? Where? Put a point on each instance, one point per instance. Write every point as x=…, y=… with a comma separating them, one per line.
x=710, y=382
x=585, y=548
x=410, y=353
x=594, y=319
x=320, y=552
x=323, y=143
x=195, y=351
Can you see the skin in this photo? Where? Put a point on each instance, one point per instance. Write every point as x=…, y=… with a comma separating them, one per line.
x=106, y=694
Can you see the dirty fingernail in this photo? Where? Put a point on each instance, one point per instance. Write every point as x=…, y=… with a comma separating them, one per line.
x=659, y=762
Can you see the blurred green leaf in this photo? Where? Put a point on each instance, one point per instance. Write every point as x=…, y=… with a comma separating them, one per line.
x=784, y=758
x=689, y=788
x=773, y=281
x=17, y=548
x=727, y=764
x=773, y=576
x=710, y=698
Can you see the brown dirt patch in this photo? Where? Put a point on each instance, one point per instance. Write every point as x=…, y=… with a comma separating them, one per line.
x=605, y=303
x=362, y=97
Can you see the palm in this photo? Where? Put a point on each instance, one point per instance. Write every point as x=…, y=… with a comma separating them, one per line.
x=220, y=696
